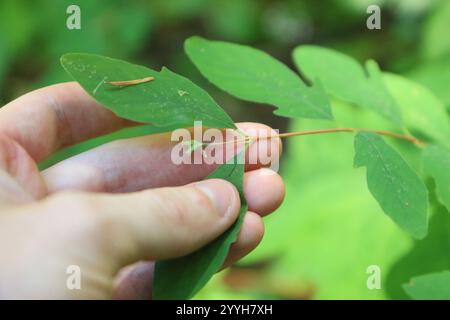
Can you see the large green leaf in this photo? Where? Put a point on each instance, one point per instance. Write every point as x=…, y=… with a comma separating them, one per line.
x=253, y=75
x=169, y=99
x=397, y=188
x=421, y=110
x=437, y=165
x=345, y=78
x=434, y=286
x=182, y=278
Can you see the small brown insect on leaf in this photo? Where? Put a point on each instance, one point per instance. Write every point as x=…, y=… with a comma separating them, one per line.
x=130, y=82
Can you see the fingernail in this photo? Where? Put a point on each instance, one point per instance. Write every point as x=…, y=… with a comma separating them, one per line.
x=222, y=194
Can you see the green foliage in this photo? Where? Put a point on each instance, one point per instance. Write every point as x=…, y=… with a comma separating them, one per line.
x=434, y=286
x=436, y=77
x=437, y=165
x=169, y=99
x=436, y=42
x=345, y=78
x=329, y=228
x=236, y=20
x=396, y=187
x=182, y=278
x=12, y=17
x=253, y=75
x=322, y=248
x=422, y=111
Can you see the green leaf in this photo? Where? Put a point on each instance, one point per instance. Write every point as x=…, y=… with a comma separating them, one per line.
x=429, y=255
x=253, y=75
x=345, y=78
x=433, y=286
x=183, y=277
x=169, y=99
x=397, y=188
x=437, y=165
x=421, y=110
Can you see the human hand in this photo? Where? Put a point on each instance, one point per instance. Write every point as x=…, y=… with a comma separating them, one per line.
x=110, y=210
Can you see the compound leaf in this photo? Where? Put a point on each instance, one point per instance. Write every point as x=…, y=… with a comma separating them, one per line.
x=345, y=78
x=433, y=286
x=169, y=99
x=437, y=165
x=397, y=188
x=253, y=75
x=183, y=277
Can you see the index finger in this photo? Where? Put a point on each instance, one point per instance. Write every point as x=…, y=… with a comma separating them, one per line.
x=53, y=117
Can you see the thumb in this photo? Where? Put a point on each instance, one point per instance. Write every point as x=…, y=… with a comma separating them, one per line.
x=158, y=223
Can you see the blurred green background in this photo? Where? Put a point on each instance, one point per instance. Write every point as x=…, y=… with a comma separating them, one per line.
x=319, y=244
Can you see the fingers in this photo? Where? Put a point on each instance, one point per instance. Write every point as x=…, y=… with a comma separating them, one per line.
x=20, y=180
x=145, y=162
x=154, y=224
x=46, y=119
x=263, y=190
x=135, y=281
x=249, y=237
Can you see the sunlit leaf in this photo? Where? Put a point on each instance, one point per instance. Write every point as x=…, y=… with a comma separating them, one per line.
x=253, y=75
x=345, y=78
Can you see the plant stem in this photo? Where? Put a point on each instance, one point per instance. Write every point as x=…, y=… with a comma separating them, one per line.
x=380, y=132
x=330, y=130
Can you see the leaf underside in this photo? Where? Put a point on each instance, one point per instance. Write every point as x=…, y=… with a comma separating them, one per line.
x=183, y=277
x=169, y=99
x=253, y=75
x=433, y=286
x=343, y=77
x=399, y=191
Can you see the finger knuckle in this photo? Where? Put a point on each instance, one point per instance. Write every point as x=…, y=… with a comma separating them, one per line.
x=185, y=208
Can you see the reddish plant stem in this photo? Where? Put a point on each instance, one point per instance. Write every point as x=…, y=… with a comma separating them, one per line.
x=330, y=130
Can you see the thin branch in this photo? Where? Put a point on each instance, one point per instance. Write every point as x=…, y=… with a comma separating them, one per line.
x=380, y=132
x=330, y=130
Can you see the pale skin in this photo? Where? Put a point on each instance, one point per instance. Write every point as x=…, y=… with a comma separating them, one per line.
x=111, y=210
